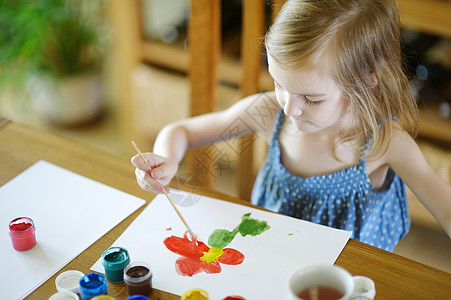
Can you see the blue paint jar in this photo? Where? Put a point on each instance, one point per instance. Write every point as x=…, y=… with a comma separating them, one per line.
x=91, y=285
x=114, y=260
x=138, y=297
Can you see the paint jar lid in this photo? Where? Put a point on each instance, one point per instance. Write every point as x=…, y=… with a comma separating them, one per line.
x=68, y=281
x=66, y=295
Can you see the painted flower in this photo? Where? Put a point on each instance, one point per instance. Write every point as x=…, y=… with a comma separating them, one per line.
x=198, y=257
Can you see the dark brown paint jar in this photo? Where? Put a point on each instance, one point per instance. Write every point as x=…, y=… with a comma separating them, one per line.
x=138, y=278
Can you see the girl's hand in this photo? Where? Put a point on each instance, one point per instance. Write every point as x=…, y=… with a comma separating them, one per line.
x=156, y=178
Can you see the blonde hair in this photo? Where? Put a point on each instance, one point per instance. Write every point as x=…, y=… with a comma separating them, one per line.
x=359, y=40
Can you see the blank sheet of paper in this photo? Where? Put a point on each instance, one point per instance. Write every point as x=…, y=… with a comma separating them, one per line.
x=70, y=212
x=270, y=257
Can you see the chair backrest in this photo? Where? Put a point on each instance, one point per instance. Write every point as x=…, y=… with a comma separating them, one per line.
x=204, y=38
x=202, y=63
x=251, y=55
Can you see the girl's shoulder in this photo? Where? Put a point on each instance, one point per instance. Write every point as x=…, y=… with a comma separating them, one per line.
x=399, y=143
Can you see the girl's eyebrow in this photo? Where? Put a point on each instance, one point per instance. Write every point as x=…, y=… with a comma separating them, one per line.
x=312, y=95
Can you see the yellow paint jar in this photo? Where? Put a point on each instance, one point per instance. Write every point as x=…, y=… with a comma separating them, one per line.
x=103, y=297
x=195, y=294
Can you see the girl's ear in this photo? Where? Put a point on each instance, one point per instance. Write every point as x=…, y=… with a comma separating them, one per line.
x=374, y=79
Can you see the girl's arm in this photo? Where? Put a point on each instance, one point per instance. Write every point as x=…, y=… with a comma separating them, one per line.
x=176, y=138
x=406, y=159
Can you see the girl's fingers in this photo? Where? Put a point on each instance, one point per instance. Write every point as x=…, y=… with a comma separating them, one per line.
x=155, y=177
x=152, y=160
x=157, y=173
x=148, y=183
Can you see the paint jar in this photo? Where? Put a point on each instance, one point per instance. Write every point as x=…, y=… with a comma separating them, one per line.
x=138, y=278
x=22, y=233
x=91, y=285
x=66, y=295
x=68, y=281
x=103, y=297
x=138, y=297
x=114, y=260
x=195, y=294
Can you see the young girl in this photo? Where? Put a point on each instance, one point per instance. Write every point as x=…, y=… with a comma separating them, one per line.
x=341, y=143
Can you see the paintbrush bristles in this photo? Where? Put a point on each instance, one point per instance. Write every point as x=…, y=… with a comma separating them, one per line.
x=167, y=195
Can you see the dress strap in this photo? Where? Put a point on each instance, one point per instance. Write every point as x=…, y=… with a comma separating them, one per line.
x=278, y=126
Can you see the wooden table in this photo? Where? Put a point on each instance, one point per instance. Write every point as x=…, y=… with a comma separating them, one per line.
x=3, y=122
x=395, y=277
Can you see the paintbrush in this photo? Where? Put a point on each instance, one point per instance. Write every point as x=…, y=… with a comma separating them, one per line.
x=167, y=195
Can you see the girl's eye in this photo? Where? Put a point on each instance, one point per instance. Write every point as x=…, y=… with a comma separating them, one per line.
x=307, y=101
x=312, y=103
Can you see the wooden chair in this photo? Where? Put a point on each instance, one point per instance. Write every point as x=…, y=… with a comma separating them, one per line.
x=203, y=64
x=204, y=36
x=204, y=33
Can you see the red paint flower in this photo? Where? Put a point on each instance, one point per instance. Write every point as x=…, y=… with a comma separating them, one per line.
x=190, y=264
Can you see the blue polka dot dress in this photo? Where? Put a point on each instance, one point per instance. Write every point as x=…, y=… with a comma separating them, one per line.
x=344, y=199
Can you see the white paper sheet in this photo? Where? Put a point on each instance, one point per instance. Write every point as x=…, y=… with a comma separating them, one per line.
x=270, y=258
x=51, y=195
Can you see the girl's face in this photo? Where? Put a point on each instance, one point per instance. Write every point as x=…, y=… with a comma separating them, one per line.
x=310, y=98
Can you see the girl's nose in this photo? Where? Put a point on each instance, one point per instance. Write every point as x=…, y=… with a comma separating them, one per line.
x=291, y=107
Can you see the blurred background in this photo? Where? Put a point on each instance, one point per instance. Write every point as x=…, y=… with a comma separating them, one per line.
x=107, y=72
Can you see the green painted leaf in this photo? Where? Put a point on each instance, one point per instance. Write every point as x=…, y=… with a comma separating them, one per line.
x=250, y=226
x=221, y=238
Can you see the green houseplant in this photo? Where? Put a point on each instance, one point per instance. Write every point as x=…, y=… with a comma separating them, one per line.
x=55, y=49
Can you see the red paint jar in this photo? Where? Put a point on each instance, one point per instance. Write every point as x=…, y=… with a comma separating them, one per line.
x=22, y=233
